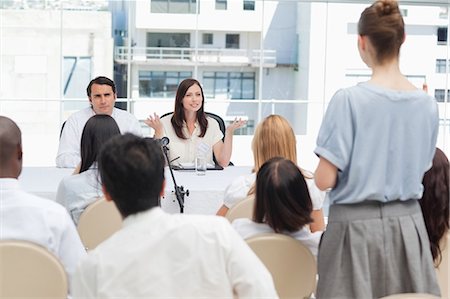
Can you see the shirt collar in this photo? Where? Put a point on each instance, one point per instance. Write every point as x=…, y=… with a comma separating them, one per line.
x=9, y=184
x=154, y=214
x=113, y=114
x=196, y=129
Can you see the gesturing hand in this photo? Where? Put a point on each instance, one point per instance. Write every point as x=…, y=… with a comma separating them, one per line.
x=155, y=123
x=236, y=124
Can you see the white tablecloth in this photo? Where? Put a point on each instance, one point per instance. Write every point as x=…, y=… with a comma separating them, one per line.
x=205, y=192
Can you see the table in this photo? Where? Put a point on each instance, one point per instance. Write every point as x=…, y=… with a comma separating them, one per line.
x=205, y=192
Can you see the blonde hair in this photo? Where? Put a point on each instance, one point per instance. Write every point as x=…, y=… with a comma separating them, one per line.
x=274, y=137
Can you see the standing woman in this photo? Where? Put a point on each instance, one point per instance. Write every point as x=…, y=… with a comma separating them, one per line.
x=190, y=128
x=376, y=142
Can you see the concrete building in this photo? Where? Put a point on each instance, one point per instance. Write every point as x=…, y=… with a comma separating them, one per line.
x=48, y=55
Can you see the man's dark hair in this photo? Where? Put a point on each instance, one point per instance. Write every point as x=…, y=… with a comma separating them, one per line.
x=282, y=198
x=100, y=81
x=132, y=172
x=97, y=130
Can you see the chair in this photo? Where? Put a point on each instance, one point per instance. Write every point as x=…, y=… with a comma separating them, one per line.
x=98, y=222
x=411, y=296
x=443, y=268
x=62, y=128
x=243, y=209
x=28, y=270
x=292, y=265
x=222, y=128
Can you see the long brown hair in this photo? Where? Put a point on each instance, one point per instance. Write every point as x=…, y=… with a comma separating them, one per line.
x=435, y=202
x=178, y=119
x=282, y=198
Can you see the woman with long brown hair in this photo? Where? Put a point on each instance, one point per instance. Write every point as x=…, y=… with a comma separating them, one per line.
x=190, y=129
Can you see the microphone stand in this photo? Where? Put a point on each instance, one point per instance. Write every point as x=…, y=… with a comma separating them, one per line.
x=179, y=190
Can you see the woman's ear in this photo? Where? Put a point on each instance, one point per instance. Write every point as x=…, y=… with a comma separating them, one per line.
x=362, y=42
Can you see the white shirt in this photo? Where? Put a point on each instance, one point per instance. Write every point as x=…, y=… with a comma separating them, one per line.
x=247, y=229
x=186, y=149
x=166, y=256
x=69, y=144
x=27, y=217
x=77, y=191
x=238, y=190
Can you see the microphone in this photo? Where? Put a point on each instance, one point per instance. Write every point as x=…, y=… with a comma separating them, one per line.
x=179, y=190
x=164, y=141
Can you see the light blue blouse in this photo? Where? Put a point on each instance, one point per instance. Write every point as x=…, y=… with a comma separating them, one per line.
x=382, y=141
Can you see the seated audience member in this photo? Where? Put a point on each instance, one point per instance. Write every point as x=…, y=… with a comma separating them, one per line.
x=189, y=126
x=273, y=137
x=435, y=202
x=101, y=92
x=27, y=217
x=163, y=255
x=282, y=204
x=77, y=191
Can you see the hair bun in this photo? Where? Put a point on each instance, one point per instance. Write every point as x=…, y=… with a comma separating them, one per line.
x=386, y=7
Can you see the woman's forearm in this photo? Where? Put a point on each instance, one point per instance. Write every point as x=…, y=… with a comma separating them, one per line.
x=227, y=148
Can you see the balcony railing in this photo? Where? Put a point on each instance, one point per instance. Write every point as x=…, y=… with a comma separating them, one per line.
x=189, y=56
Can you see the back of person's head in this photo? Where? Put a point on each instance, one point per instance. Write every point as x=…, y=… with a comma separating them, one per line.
x=383, y=24
x=178, y=117
x=10, y=148
x=97, y=130
x=274, y=137
x=132, y=172
x=101, y=80
x=282, y=198
x=435, y=202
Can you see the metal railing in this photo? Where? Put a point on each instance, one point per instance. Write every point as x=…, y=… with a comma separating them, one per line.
x=202, y=56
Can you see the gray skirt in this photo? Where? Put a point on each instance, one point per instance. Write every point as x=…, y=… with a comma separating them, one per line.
x=375, y=249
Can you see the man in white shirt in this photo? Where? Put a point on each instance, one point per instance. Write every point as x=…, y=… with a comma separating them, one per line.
x=101, y=92
x=162, y=255
x=27, y=217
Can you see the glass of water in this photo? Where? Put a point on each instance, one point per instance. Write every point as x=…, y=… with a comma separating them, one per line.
x=200, y=165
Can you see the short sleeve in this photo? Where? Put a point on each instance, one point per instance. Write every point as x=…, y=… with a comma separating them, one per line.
x=217, y=134
x=238, y=190
x=335, y=139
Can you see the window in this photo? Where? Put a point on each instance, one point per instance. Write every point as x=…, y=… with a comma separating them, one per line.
x=249, y=4
x=232, y=41
x=174, y=6
x=440, y=66
x=230, y=85
x=442, y=35
x=77, y=71
x=154, y=84
x=443, y=13
x=221, y=4
x=168, y=40
x=207, y=38
x=439, y=94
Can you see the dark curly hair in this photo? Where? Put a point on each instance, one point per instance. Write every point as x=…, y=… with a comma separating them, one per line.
x=435, y=202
